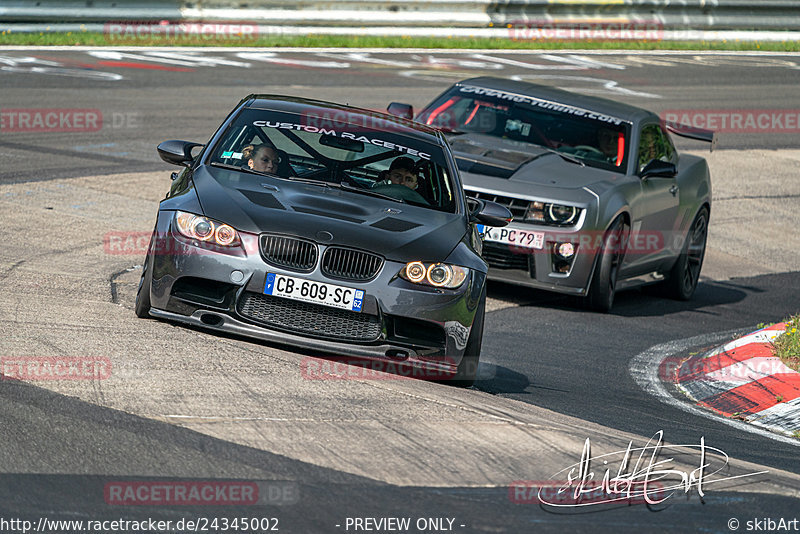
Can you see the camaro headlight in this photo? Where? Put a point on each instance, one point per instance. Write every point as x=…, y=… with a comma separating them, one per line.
x=555, y=214
x=434, y=274
x=204, y=229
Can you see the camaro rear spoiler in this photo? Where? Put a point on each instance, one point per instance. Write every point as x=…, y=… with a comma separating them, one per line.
x=691, y=132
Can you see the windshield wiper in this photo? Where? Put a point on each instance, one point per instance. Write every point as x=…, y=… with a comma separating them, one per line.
x=311, y=181
x=345, y=187
x=348, y=187
x=566, y=157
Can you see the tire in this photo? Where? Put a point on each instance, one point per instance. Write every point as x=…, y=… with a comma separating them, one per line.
x=467, y=370
x=606, y=270
x=682, y=279
x=142, y=306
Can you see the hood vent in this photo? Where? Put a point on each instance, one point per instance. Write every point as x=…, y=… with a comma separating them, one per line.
x=487, y=169
x=262, y=199
x=332, y=215
x=394, y=225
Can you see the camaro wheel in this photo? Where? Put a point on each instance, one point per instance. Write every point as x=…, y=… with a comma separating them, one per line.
x=468, y=368
x=685, y=273
x=606, y=270
x=142, y=307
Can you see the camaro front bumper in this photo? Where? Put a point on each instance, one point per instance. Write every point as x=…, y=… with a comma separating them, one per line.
x=543, y=268
x=223, y=290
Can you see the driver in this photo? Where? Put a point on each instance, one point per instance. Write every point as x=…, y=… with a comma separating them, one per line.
x=402, y=171
x=607, y=142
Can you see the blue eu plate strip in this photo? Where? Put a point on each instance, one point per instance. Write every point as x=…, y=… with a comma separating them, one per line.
x=270, y=284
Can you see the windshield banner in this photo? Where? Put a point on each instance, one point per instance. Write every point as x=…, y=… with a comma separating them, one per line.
x=343, y=135
x=543, y=104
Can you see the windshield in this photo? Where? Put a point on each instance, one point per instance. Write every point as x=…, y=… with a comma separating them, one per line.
x=596, y=139
x=362, y=160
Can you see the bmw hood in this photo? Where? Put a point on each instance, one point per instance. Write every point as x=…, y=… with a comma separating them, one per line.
x=511, y=164
x=395, y=230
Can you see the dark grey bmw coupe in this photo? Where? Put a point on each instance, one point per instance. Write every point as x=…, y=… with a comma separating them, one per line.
x=327, y=227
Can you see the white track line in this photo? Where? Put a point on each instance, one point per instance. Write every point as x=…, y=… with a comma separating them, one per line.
x=644, y=370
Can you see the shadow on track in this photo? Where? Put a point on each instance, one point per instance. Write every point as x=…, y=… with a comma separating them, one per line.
x=645, y=301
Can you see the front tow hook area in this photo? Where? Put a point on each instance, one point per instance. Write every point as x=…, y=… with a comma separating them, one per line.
x=211, y=319
x=397, y=354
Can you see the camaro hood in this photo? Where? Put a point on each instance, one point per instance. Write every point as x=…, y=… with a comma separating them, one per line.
x=257, y=204
x=511, y=165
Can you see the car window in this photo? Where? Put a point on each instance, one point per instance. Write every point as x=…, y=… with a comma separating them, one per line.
x=654, y=143
x=349, y=154
x=597, y=139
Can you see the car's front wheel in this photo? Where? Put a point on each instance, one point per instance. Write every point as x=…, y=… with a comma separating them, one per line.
x=606, y=270
x=685, y=274
x=467, y=370
x=142, y=307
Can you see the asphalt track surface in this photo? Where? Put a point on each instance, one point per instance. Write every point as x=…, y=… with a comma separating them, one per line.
x=60, y=445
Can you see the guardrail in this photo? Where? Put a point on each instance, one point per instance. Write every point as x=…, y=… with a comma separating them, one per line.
x=669, y=14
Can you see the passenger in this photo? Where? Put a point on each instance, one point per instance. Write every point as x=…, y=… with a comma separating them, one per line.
x=261, y=158
x=647, y=148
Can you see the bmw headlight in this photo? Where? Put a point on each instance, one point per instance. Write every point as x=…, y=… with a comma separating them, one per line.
x=552, y=214
x=434, y=274
x=204, y=229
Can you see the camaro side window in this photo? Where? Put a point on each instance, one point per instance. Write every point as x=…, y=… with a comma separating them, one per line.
x=655, y=144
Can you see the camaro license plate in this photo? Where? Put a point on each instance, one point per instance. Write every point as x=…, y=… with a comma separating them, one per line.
x=346, y=298
x=512, y=236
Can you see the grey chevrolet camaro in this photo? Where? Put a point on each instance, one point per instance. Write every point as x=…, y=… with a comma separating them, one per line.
x=325, y=227
x=601, y=198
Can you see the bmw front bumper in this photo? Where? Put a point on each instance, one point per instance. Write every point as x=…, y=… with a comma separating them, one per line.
x=224, y=291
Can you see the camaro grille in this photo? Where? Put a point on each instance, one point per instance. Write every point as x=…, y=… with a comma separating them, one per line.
x=349, y=264
x=310, y=319
x=501, y=257
x=517, y=206
x=289, y=252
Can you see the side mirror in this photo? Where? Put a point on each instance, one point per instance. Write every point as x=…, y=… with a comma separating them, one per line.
x=658, y=168
x=177, y=152
x=488, y=213
x=399, y=109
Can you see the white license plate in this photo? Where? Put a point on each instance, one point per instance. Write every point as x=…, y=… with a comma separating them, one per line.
x=289, y=287
x=513, y=236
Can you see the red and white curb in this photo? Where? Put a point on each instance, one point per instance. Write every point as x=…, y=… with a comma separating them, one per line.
x=743, y=379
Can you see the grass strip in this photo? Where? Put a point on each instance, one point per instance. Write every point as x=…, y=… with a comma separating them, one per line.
x=11, y=38
x=787, y=345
